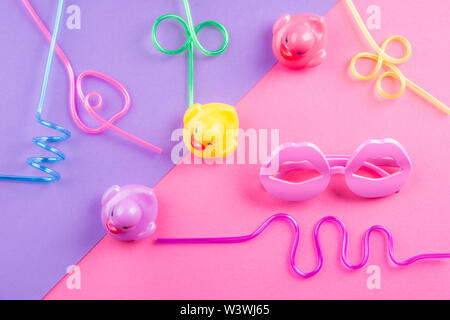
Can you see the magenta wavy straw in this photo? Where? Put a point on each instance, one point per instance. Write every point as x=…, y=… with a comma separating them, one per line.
x=75, y=87
x=344, y=259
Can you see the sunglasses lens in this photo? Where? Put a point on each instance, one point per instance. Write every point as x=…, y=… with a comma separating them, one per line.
x=296, y=172
x=379, y=168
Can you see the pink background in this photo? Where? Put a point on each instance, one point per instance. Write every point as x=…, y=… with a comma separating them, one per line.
x=324, y=106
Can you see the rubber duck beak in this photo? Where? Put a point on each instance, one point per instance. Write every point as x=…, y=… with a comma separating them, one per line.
x=196, y=144
x=286, y=52
x=111, y=227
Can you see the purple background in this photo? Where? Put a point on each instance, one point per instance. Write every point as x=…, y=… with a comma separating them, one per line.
x=46, y=228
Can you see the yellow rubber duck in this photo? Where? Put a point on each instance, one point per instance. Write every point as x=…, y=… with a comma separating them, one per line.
x=210, y=130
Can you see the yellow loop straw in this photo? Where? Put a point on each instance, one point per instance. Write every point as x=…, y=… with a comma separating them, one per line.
x=389, y=62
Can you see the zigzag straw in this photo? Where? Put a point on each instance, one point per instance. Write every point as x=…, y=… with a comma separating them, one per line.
x=344, y=259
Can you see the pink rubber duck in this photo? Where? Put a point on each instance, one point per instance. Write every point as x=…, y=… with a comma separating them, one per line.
x=129, y=212
x=299, y=40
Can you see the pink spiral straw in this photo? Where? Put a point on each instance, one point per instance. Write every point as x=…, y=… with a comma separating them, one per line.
x=75, y=85
x=295, y=227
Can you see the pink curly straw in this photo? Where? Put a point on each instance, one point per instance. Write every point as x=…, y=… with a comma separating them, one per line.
x=85, y=99
x=344, y=259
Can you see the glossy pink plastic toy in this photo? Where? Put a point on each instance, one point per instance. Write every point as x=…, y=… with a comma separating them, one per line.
x=299, y=41
x=129, y=212
x=372, y=155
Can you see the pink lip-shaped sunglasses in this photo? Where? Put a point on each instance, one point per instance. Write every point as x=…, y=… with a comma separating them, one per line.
x=372, y=155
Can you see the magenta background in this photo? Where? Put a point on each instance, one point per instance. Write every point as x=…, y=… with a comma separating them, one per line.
x=324, y=106
x=46, y=228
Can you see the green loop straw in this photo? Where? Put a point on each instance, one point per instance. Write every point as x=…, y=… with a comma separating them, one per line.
x=191, y=40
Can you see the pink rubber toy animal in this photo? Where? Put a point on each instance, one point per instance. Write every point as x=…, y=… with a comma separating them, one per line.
x=129, y=212
x=299, y=41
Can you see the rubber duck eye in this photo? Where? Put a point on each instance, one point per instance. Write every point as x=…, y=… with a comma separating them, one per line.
x=210, y=144
x=125, y=228
x=286, y=40
x=112, y=213
x=196, y=130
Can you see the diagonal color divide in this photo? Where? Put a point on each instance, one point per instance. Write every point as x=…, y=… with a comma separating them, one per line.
x=325, y=106
x=48, y=228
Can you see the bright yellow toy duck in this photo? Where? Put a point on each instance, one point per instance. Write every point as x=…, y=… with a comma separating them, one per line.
x=210, y=130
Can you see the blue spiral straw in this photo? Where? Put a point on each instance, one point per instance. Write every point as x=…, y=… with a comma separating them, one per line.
x=41, y=141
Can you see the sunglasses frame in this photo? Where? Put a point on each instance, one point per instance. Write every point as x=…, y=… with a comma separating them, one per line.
x=370, y=155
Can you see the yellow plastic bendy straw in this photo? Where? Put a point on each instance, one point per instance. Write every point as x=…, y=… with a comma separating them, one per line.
x=384, y=59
